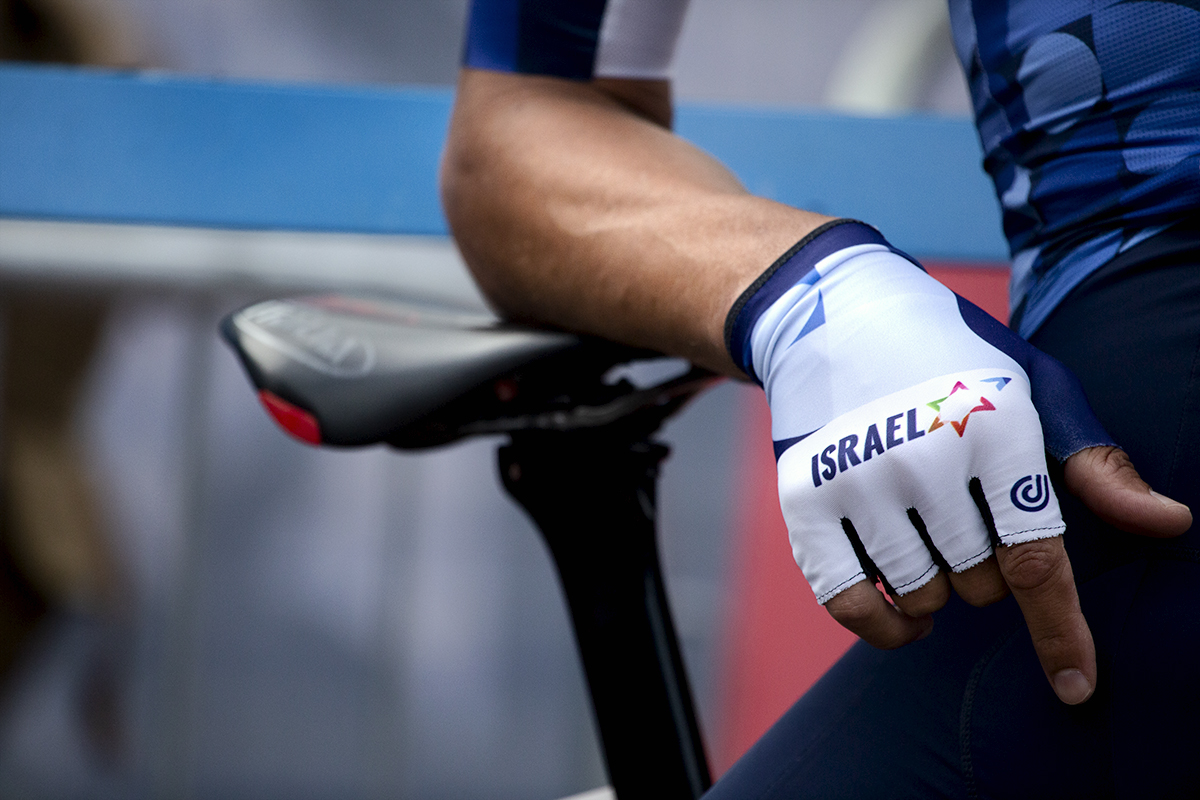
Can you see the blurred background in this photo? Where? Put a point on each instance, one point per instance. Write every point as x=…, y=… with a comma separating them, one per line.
x=217, y=611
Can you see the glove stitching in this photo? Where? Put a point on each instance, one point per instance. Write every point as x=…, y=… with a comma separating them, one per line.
x=1033, y=530
x=853, y=578
x=916, y=579
x=987, y=549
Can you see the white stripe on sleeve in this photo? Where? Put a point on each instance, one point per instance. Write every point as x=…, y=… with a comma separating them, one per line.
x=637, y=38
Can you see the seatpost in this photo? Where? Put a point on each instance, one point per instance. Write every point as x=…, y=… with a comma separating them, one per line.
x=592, y=495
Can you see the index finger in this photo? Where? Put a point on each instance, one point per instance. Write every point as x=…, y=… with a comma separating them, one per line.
x=1039, y=574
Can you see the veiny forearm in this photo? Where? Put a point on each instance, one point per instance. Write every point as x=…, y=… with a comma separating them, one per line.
x=575, y=206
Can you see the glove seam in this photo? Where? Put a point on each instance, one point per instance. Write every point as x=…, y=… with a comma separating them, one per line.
x=760, y=281
x=829, y=594
x=954, y=567
x=1032, y=530
x=916, y=579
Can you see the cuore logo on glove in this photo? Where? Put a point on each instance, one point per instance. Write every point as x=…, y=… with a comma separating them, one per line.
x=1031, y=493
x=951, y=410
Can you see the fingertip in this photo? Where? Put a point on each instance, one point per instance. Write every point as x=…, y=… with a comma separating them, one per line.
x=1072, y=686
x=1181, y=515
x=1143, y=511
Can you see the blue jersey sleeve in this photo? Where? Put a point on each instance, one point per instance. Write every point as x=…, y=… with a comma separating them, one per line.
x=574, y=39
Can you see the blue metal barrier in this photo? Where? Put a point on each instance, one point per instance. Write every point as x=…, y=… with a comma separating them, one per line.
x=96, y=145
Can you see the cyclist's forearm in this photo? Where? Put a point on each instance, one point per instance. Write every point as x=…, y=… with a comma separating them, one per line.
x=577, y=209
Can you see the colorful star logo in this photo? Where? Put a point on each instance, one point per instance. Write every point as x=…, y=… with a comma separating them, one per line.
x=958, y=406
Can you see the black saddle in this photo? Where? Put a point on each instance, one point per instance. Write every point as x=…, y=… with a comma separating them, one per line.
x=347, y=371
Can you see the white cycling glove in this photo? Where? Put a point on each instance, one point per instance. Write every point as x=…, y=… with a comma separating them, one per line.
x=908, y=424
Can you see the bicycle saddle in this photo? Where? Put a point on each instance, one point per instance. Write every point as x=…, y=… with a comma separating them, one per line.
x=342, y=370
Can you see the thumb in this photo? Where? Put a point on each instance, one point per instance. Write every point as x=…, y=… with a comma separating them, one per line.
x=1105, y=480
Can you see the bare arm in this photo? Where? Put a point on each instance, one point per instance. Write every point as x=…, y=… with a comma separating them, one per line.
x=558, y=191
x=574, y=205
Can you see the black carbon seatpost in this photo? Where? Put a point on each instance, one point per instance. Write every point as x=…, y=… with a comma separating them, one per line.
x=592, y=495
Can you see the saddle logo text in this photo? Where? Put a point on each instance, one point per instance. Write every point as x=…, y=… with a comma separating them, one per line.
x=1031, y=493
x=310, y=336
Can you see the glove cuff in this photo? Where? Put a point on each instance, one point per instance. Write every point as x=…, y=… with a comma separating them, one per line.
x=793, y=267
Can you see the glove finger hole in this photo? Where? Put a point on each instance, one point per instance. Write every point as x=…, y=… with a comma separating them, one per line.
x=919, y=524
x=872, y=572
x=975, y=487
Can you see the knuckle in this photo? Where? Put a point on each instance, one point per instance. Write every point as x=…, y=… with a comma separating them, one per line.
x=982, y=584
x=864, y=613
x=1116, y=460
x=853, y=610
x=1033, y=565
x=929, y=598
x=1097, y=465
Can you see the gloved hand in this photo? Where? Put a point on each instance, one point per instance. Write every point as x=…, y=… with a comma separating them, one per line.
x=906, y=435
x=910, y=428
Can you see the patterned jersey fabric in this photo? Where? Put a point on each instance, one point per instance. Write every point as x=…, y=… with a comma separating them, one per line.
x=1088, y=111
x=1089, y=116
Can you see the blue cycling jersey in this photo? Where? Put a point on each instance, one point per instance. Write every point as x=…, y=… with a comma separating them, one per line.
x=1089, y=116
x=1088, y=111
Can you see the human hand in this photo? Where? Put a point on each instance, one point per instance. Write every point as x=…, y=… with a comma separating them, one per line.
x=1038, y=573
x=860, y=352
x=1040, y=576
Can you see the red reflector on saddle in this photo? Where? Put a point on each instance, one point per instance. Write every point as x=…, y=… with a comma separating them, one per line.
x=291, y=418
